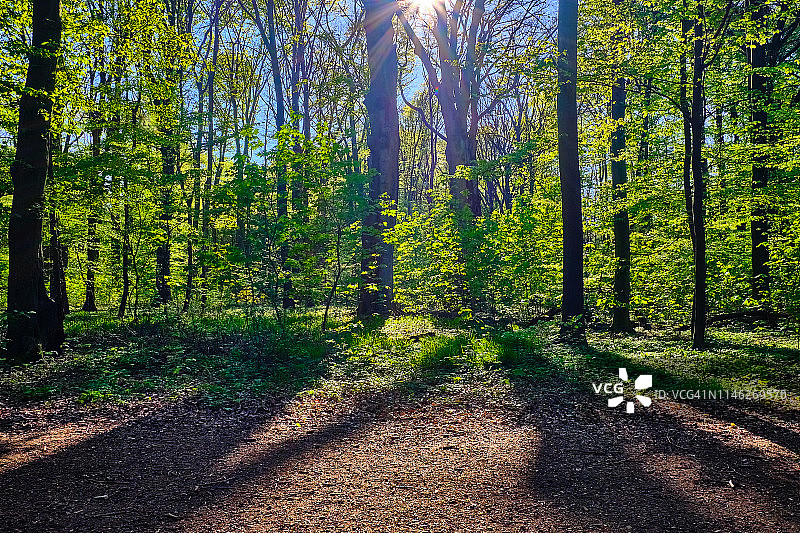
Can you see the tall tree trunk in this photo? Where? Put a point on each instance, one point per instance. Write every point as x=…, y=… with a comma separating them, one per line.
x=192, y=203
x=34, y=321
x=169, y=159
x=686, y=113
x=126, y=251
x=58, y=256
x=268, y=36
x=621, y=321
x=92, y=245
x=241, y=222
x=700, y=303
x=207, y=201
x=644, y=144
x=569, y=170
x=760, y=99
x=377, y=270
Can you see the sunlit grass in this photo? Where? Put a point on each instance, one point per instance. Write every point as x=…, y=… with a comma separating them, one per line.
x=227, y=357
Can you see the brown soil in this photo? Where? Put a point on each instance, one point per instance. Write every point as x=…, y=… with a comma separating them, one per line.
x=380, y=463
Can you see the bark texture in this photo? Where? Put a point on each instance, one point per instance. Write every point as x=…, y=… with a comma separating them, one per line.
x=621, y=320
x=377, y=269
x=34, y=320
x=569, y=169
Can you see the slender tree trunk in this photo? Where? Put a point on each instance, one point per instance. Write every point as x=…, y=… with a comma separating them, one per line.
x=126, y=251
x=644, y=144
x=210, y=163
x=569, y=170
x=760, y=99
x=58, y=257
x=270, y=41
x=163, y=253
x=192, y=204
x=353, y=142
x=700, y=303
x=126, y=232
x=686, y=113
x=92, y=246
x=34, y=321
x=377, y=270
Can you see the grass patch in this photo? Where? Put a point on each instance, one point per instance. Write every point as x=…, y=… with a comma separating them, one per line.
x=224, y=358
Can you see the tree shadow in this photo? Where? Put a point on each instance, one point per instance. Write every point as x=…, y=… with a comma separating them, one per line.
x=150, y=473
x=647, y=471
x=616, y=471
x=747, y=417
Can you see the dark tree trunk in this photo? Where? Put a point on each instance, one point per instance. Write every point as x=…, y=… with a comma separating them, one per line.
x=700, y=303
x=268, y=36
x=569, y=170
x=644, y=145
x=126, y=252
x=193, y=203
x=686, y=113
x=58, y=254
x=377, y=289
x=621, y=321
x=92, y=245
x=760, y=98
x=207, y=201
x=34, y=320
x=169, y=159
x=58, y=258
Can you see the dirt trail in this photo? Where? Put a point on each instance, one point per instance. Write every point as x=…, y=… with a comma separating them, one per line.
x=378, y=463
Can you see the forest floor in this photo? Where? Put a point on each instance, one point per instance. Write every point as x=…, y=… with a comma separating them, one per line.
x=411, y=424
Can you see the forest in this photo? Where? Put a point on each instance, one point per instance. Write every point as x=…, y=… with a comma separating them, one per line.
x=307, y=223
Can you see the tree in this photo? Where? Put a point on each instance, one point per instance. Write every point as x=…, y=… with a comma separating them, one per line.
x=569, y=169
x=34, y=321
x=769, y=45
x=383, y=140
x=619, y=177
x=700, y=302
x=472, y=40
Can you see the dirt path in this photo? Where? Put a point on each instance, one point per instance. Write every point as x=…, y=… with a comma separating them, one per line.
x=380, y=463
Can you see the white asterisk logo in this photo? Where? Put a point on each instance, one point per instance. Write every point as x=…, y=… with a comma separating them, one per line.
x=645, y=381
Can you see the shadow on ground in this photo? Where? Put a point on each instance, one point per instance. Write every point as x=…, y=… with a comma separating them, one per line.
x=153, y=471
x=659, y=469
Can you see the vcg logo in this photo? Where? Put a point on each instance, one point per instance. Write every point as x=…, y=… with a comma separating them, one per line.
x=645, y=381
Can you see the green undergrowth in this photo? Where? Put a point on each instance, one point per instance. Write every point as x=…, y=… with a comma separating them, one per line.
x=225, y=358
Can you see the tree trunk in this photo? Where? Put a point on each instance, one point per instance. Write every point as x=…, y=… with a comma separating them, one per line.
x=92, y=246
x=210, y=163
x=34, y=321
x=621, y=321
x=569, y=170
x=192, y=202
x=760, y=98
x=700, y=304
x=163, y=255
x=268, y=36
x=644, y=145
x=377, y=269
x=686, y=113
x=126, y=251
x=58, y=255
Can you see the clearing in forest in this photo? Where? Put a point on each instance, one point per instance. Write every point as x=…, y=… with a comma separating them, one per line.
x=411, y=424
